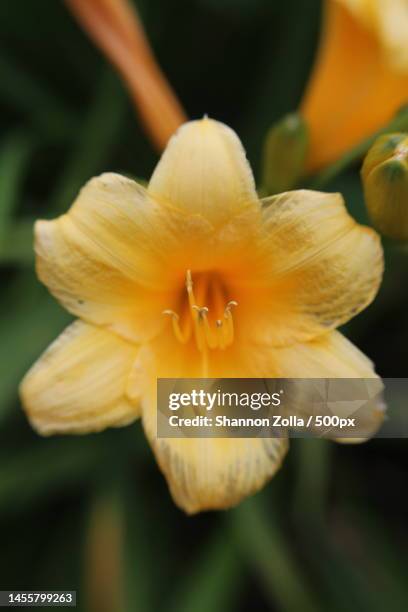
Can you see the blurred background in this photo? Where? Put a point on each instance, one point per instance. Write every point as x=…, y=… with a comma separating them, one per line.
x=93, y=513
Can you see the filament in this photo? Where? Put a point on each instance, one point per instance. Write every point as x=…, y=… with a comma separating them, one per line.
x=206, y=335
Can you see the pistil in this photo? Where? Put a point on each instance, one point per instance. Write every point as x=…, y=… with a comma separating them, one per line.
x=206, y=335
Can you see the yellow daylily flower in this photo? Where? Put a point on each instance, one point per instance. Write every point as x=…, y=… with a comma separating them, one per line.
x=360, y=79
x=193, y=277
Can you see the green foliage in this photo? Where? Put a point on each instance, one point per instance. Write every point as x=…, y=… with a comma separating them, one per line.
x=284, y=155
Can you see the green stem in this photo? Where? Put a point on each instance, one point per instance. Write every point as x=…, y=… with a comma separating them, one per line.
x=104, y=562
x=398, y=124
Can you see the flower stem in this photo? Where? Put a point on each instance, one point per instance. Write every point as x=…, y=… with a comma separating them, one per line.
x=104, y=553
x=399, y=123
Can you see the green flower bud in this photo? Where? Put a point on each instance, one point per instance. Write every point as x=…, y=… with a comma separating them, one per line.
x=385, y=180
x=284, y=154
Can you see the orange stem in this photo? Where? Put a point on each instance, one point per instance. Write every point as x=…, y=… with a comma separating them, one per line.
x=115, y=27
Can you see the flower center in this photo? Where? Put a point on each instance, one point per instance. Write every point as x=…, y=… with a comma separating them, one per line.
x=211, y=322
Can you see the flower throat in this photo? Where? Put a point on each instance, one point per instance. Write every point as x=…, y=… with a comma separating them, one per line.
x=198, y=321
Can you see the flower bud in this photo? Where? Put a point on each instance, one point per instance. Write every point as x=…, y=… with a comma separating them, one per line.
x=385, y=180
x=284, y=154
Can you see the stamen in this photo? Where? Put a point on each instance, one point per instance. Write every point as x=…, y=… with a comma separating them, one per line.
x=198, y=315
x=190, y=289
x=206, y=336
x=220, y=333
x=183, y=338
x=210, y=337
x=229, y=326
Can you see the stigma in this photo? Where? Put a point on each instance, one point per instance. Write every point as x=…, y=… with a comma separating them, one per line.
x=197, y=323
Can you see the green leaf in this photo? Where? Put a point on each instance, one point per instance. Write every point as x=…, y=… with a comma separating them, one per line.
x=27, y=94
x=212, y=583
x=46, y=469
x=263, y=543
x=383, y=556
x=14, y=155
x=17, y=247
x=95, y=138
x=312, y=479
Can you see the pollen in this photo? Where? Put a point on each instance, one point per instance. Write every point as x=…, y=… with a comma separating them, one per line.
x=196, y=322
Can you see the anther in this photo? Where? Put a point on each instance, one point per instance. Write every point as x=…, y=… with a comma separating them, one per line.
x=201, y=310
x=229, y=323
x=220, y=333
x=205, y=335
x=175, y=319
x=171, y=313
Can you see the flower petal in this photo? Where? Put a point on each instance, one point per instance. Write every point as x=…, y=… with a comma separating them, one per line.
x=217, y=473
x=389, y=21
x=208, y=473
x=204, y=170
x=106, y=260
x=79, y=383
x=354, y=90
x=317, y=268
x=393, y=27
x=333, y=356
